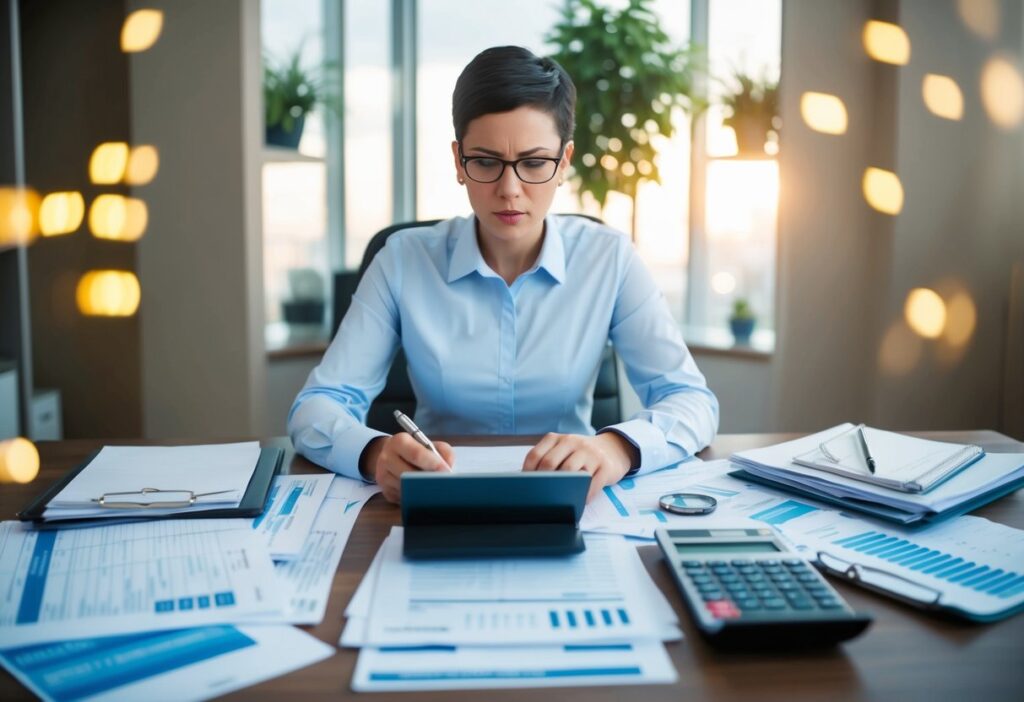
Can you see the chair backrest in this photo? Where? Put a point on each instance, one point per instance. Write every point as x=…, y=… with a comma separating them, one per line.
x=398, y=393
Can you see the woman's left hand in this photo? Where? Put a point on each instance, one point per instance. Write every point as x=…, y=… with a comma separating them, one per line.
x=607, y=457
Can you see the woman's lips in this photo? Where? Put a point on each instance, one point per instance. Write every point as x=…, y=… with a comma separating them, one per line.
x=510, y=216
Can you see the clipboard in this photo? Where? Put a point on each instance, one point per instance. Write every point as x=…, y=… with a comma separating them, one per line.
x=252, y=504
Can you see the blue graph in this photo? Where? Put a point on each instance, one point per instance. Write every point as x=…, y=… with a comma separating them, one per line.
x=976, y=576
x=720, y=492
x=575, y=619
x=783, y=512
x=657, y=513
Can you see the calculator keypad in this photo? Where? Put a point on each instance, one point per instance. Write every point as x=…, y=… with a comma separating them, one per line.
x=774, y=587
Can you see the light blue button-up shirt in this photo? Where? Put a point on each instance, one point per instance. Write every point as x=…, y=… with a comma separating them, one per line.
x=486, y=357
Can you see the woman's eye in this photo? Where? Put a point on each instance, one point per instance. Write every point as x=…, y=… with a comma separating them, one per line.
x=486, y=162
x=535, y=163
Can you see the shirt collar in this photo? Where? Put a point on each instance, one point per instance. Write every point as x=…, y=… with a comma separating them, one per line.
x=467, y=258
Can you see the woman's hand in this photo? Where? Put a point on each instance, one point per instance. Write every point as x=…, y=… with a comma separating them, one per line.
x=607, y=457
x=385, y=459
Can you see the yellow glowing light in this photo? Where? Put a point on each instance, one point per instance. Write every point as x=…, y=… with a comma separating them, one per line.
x=886, y=42
x=61, y=213
x=609, y=162
x=942, y=96
x=883, y=190
x=645, y=167
x=628, y=169
x=925, y=312
x=900, y=350
x=742, y=198
x=118, y=218
x=961, y=319
x=823, y=113
x=108, y=161
x=19, y=216
x=108, y=294
x=980, y=16
x=143, y=163
x=141, y=29
x=723, y=282
x=1002, y=92
x=19, y=461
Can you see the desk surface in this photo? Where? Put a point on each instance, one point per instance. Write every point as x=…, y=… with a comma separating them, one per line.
x=905, y=654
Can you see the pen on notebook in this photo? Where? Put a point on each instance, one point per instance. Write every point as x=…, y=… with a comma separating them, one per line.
x=410, y=426
x=865, y=449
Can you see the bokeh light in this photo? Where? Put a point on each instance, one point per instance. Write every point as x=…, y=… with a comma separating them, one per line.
x=61, y=213
x=823, y=112
x=19, y=216
x=118, y=218
x=141, y=29
x=108, y=161
x=942, y=96
x=19, y=461
x=883, y=190
x=961, y=319
x=886, y=42
x=723, y=282
x=108, y=293
x=143, y=163
x=899, y=351
x=925, y=313
x=1002, y=92
x=980, y=16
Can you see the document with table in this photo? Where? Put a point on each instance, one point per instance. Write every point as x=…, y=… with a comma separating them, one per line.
x=591, y=619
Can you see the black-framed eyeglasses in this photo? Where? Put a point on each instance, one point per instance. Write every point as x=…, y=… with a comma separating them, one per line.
x=489, y=169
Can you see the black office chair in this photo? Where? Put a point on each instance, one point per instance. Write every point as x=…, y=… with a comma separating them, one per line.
x=398, y=393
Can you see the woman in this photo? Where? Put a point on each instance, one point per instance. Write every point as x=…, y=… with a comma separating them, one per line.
x=504, y=315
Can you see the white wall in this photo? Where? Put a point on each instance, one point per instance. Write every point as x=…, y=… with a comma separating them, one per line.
x=195, y=95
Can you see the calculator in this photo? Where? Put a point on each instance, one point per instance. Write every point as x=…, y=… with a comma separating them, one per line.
x=745, y=589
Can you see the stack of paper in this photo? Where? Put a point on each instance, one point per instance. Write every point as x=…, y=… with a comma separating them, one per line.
x=988, y=478
x=590, y=619
x=169, y=609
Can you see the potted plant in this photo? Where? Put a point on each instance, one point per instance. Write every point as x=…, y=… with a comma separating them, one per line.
x=753, y=112
x=629, y=78
x=290, y=92
x=742, y=321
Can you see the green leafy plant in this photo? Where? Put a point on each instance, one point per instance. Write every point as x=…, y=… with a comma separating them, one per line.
x=629, y=77
x=753, y=111
x=291, y=91
x=741, y=309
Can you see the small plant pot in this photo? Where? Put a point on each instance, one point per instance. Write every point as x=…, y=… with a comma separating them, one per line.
x=303, y=311
x=277, y=136
x=742, y=329
x=751, y=135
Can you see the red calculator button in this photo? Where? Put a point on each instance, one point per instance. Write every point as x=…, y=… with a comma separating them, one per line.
x=723, y=609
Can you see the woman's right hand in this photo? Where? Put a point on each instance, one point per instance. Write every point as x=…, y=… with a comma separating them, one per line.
x=387, y=457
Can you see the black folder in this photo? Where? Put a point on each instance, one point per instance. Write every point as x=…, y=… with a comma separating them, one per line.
x=492, y=515
x=252, y=505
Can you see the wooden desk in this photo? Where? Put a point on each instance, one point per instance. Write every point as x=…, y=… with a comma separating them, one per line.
x=905, y=654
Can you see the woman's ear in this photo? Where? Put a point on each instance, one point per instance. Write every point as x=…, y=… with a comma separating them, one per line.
x=567, y=155
x=459, y=174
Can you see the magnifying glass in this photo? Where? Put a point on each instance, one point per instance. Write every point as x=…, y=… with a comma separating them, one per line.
x=687, y=503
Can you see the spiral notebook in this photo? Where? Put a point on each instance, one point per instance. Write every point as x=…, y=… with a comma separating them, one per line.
x=902, y=462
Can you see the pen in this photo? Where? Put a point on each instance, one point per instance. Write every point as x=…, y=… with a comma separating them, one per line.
x=864, y=447
x=410, y=426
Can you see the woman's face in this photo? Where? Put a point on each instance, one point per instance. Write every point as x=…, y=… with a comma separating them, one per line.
x=508, y=209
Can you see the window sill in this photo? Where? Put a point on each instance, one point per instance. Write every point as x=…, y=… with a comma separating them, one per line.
x=285, y=340
x=718, y=341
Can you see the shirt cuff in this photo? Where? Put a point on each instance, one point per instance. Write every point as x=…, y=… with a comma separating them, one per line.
x=654, y=451
x=347, y=447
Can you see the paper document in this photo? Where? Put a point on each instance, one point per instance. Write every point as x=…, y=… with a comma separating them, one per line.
x=294, y=501
x=461, y=668
x=57, y=585
x=490, y=459
x=308, y=578
x=177, y=666
x=976, y=565
x=593, y=597
x=225, y=469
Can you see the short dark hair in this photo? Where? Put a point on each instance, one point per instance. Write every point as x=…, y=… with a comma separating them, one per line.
x=503, y=78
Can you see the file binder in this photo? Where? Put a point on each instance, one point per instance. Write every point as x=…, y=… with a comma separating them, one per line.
x=251, y=505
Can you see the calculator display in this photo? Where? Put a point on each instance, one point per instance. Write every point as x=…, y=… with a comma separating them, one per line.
x=727, y=548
